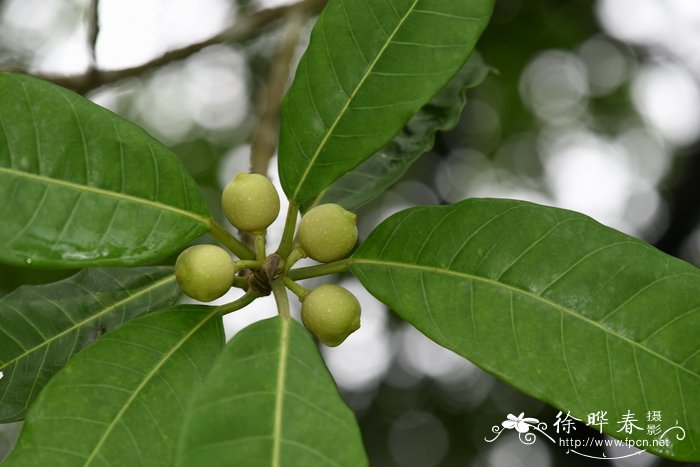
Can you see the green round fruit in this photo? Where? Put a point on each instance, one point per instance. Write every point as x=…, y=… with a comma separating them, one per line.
x=204, y=272
x=331, y=313
x=250, y=202
x=327, y=232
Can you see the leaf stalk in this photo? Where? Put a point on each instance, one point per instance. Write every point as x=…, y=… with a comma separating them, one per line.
x=290, y=224
x=281, y=299
x=335, y=267
x=229, y=241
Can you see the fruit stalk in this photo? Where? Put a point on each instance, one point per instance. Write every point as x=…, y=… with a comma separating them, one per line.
x=260, y=246
x=299, y=291
x=236, y=305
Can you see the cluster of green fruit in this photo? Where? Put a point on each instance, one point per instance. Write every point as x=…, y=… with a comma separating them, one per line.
x=326, y=233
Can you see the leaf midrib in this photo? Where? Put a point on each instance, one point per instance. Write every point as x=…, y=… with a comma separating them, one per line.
x=528, y=294
x=346, y=106
x=106, y=193
x=279, y=397
x=80, y=324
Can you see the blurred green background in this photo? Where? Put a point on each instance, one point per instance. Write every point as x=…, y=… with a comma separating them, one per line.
x=593, y=106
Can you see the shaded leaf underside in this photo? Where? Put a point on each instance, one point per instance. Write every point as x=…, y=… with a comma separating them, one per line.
x=121, y=401
x=373, y=176
x=370, y=66
x=42, y=327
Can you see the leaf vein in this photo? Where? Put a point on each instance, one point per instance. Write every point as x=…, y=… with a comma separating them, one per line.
x=160, y=283
x=346, y=106
x=525, y=293
x=106, y=193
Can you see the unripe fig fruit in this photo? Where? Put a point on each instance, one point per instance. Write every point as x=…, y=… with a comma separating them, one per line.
x=204, y=272
x=250, y=202
x=327, y=232
x=331, y=313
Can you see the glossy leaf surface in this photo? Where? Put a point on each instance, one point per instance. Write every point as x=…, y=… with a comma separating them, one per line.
x=560, y=306
x=121, y=401
x=82, y=187
x=373, y=176
x=269, y=401
x=43, y=326
x=369, y=67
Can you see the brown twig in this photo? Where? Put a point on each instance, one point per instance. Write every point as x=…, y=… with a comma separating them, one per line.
x=245, y=27
x=264, y=140
x=93, y=31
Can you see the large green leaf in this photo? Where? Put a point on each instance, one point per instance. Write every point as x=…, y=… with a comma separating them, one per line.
x=269, y=401
x=82, y=187
x=373, y=176
x=121, y=401
x=42, y=327
x=12, y=276
x=567, y=310
x=369, y=67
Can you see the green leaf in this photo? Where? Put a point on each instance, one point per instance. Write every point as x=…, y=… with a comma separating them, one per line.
x=562, y=307
x=373, y=176
x=121, y=401
x=269, y=401
x=12, y=277
x=369, y=67
x=83, y=187
x=42, y=327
